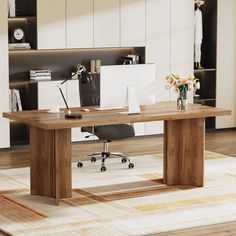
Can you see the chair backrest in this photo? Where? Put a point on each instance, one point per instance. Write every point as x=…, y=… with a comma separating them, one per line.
x=90, y=90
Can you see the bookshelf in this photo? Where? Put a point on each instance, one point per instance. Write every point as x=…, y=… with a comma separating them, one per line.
x=24, y=19
x=207, y=75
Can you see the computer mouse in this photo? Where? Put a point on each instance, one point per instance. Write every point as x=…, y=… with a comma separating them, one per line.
x=85, y=109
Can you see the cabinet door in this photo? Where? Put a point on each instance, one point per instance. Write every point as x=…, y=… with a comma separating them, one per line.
x=106, y=23
x=79, y=21
x=51, y=24
x=158, y=51
x=139, y=128
x=4, y=75
x=158, y=43
x=49, y=96
x=226, y=62
x=72, y=93
x=182, y=36
x=132, y=23
x=73, y=100
x=155, y=127
x=182, y=39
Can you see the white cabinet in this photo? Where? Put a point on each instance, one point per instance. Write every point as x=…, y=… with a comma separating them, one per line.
x=154, y=127
x=158, y=38
x=182, y=37
x=158, y=43
x=49, y=96
x=139, y=128
x=169, y=44
x=79, y=23
x=72, y=93
x=91, y=23
x=182, y=40
x=132, y=23
x=4, y=75
x=106, y=23
x=226, y=62
x=51, y=21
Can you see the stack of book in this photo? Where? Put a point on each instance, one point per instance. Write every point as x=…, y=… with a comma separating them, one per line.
x=131, y=59
x=40, y=74
x=15, y=100
x=19, y=46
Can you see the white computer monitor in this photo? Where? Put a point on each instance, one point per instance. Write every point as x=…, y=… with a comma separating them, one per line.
x=115, y=80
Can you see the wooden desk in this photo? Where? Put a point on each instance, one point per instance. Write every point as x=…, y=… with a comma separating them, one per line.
x=50, y=140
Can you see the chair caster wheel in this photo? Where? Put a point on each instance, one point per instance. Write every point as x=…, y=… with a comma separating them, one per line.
x=79, y=164
x=93, y=159
x=123, y=160
x=103, y=168
x=131, y=165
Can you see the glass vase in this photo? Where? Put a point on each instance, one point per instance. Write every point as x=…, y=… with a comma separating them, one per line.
x=182, y=101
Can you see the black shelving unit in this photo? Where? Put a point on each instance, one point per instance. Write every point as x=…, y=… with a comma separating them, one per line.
x=206, y=95
x=25, y=19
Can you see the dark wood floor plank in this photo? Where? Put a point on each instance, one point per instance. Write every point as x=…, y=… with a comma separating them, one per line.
x=3, y=234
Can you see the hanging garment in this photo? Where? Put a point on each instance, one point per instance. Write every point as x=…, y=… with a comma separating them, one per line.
x=198, y=35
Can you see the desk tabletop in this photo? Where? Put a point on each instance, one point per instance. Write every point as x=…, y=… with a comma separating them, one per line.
x=157, y=112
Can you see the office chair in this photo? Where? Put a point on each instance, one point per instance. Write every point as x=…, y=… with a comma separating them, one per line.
x=90, y=96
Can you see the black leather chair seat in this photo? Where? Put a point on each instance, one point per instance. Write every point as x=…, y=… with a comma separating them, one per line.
x=111, y=132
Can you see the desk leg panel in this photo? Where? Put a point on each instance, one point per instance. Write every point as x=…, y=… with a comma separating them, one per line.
x=63, y=175
x=184, y=145
x=50, y=164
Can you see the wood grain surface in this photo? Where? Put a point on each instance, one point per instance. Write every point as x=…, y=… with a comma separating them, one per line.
x=184, y=146
x=156, y=112
x=50, y=163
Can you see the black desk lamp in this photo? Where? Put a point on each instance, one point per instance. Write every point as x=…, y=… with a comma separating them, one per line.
x=84, y=78
x=69, y=114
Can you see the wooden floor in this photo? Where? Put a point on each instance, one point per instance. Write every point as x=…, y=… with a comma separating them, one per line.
x=227, y=229
x=223, y=142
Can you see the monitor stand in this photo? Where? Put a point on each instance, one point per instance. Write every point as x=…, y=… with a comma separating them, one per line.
x=133, y=104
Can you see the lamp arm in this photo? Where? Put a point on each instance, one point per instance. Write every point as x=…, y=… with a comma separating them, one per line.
x=64, y=99
x=69, y=114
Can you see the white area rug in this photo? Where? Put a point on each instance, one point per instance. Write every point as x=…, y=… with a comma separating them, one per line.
x=120, y=201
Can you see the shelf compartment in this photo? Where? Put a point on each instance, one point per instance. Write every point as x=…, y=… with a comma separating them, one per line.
x=29, y=25
x=207, y=81
x=63, y=62
x=25, y=8
x=19, y=133
x=28, y=95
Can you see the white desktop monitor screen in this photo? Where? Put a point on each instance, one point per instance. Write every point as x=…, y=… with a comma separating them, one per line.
x=115, y=80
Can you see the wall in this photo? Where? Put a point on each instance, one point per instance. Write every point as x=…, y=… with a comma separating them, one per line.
x=226, y=62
